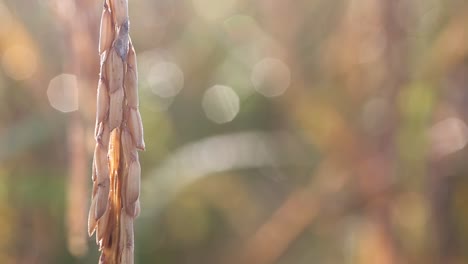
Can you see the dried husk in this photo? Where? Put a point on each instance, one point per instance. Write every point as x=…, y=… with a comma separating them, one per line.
x=130, y=209
x=133, y=182
x=103, y=74
x=100, y=162
x=106, y=33
x=98, y=130
x=92, y=222
x=94, y=175
x=114, y=150
x=116, y=109
x=102, y=107
x=102, y=228
x=126, y=244
x=102, y=179
x=128, y=147
x=102, y=198
x=103, y=138
x=136, y=128
x=131, y=88
x=122, y=41
x=131, y=79
x=132, y=59
x=137, y=208
x=115, y=71
x=120, y=8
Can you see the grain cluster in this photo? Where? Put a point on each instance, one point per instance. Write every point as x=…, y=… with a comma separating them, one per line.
x=119, y=135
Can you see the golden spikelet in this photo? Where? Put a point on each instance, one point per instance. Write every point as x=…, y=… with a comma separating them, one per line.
x=119, y=134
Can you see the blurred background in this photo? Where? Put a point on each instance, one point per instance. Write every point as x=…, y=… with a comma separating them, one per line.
x=290, y=132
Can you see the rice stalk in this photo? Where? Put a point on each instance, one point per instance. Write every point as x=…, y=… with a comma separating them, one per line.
x=119, y=135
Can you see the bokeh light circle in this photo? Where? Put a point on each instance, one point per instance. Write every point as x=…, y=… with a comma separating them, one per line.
x=63, y=93
x=165, y=79
x=271, y=77
x=221, y=104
